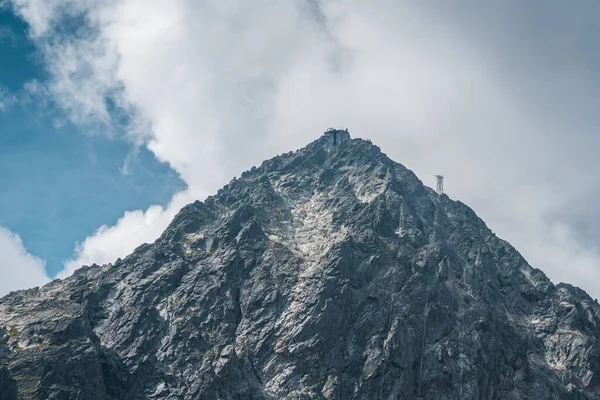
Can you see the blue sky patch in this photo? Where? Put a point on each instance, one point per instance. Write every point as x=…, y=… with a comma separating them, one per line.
x=59, y=185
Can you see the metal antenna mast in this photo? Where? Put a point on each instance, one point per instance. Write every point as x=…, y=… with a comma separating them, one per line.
x=440, y=184
x=402, y=216
x=400, y=230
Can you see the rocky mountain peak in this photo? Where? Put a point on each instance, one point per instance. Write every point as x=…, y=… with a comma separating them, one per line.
x=330, y=272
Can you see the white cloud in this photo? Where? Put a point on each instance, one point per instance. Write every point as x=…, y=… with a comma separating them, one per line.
x=136, y=227
x=19, y=269
x=217, y=86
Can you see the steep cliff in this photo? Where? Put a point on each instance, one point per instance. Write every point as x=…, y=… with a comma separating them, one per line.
x=300, y=280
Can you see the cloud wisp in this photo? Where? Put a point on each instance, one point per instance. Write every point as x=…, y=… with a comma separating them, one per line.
x=213, y=88
x=7, y=99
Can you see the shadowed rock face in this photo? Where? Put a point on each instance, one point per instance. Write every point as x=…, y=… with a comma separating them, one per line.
x=295, y=282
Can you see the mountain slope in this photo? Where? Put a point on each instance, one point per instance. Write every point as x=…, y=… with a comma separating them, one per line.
x=295, y=282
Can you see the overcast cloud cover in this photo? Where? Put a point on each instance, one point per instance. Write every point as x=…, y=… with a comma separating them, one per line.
x=500, y=97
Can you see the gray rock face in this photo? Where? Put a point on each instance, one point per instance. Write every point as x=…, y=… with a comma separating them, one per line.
x=296, y=281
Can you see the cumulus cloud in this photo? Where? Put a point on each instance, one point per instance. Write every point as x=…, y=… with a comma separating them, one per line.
x=133, y=229
x=213, y=87
x=18, y=268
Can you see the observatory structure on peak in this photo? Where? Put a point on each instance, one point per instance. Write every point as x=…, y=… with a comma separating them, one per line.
x=335, y=137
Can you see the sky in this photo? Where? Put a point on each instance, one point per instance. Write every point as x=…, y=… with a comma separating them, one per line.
x=60, y=182
x=114, y=114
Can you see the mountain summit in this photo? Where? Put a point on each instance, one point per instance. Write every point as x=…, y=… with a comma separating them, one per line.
x=331, y=272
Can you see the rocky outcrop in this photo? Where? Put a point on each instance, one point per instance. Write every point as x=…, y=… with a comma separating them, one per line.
x=300, y=280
